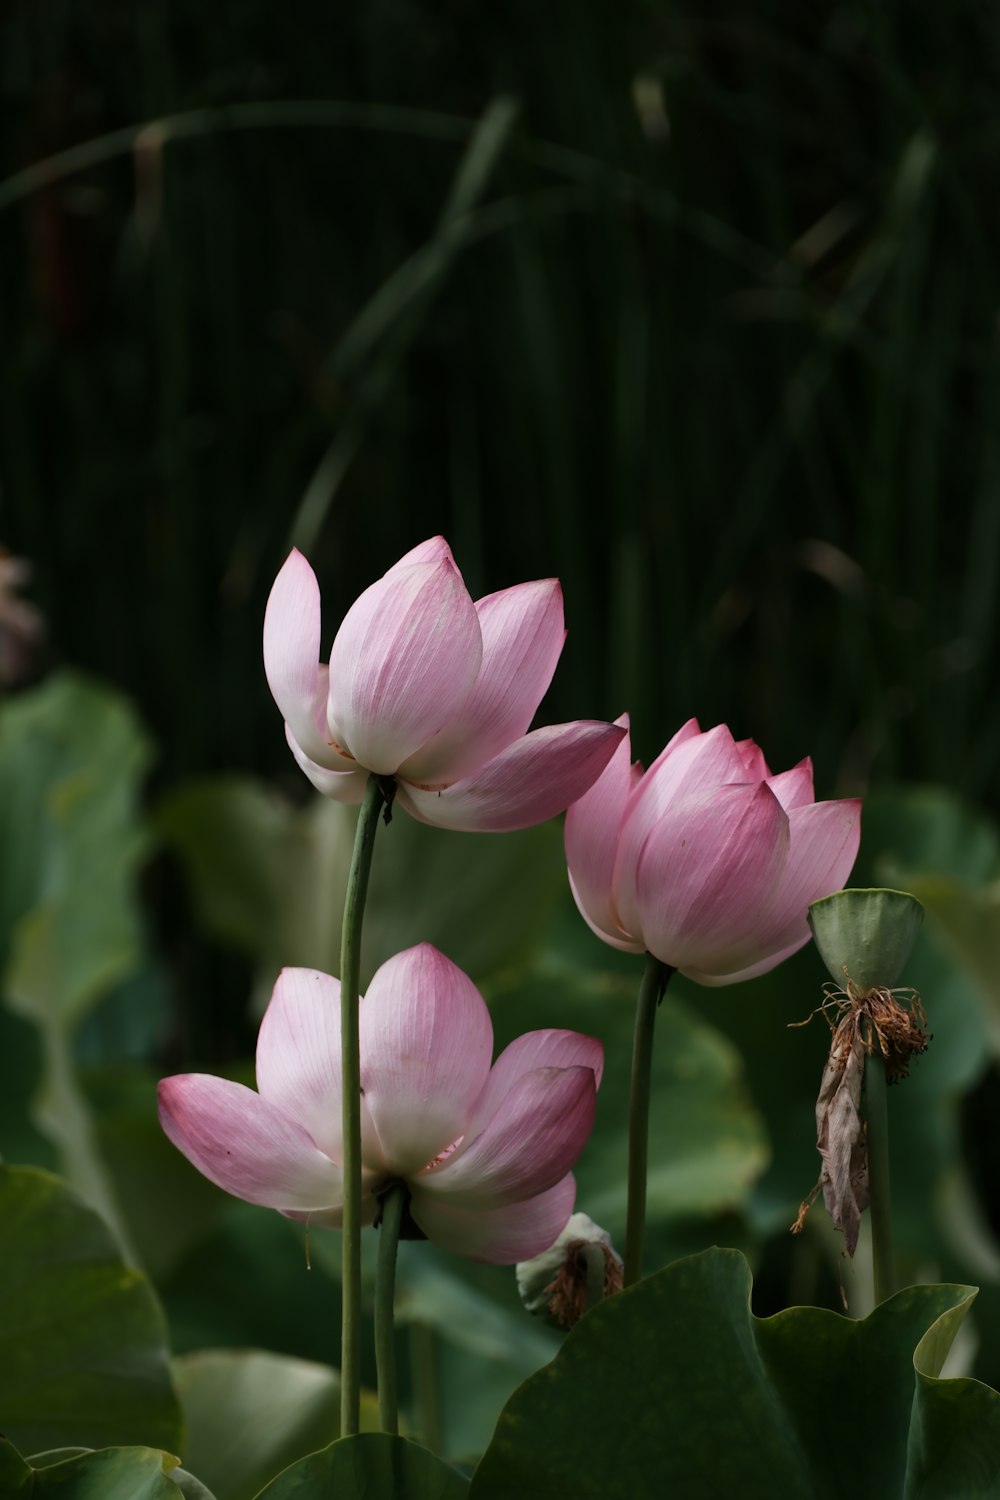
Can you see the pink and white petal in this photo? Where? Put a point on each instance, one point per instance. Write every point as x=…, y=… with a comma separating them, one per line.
x=245, y=1146
x=339, y=786
x=501, y=1236
x=529, y=782
x=752, y=971
x=690, y=764
x=689, y=730
x=531, y=1141
x=292, y=654
x=298, y=1061
x=551, y=1048
x=333, y=1218
x=523, y=635
x=706, y=874
x=426, y=1044
x=794, y=788
x=612, y=934
x=433, y=550
x=591, y=837
x=755, y=767
x=403, y=663
x=824, y=845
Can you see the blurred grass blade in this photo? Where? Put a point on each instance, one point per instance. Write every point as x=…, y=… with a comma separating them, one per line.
x=394, y=316
x=263, y=115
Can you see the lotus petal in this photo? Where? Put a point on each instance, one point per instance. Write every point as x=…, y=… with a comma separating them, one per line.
x=536, y=777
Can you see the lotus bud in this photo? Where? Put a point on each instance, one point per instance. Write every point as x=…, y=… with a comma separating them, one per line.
x=580, y=1269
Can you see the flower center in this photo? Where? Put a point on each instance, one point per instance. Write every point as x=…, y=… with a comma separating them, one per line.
x=443, y=1155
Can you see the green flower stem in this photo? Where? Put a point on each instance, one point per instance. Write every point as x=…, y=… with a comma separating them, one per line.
x=425, y=1380
x=350, y=971
x=393, y=1204
x=655, y=979
x=880, y=1201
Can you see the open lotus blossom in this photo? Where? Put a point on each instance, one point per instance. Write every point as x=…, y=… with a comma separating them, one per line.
x=707, y=861
x=485, y=1152
x=435, y=691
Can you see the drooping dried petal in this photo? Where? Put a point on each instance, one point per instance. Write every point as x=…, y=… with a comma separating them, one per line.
x=840, y=1134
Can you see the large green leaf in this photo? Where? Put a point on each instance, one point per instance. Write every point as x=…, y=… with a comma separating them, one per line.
x=675, y=1388
x=189, y=1486
x=71, y=759
x=249, y=1413
x=72, y=756
x=21, y=1060
x=83, y=1356
x=373, y=1464
x=107, y=1474
x=16, y=1477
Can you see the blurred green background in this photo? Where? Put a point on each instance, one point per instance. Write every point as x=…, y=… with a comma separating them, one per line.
x=694, y=306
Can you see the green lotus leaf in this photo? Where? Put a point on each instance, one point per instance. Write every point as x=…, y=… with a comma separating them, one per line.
x=675, y=1388
x=371, y=1464
x=83, y=1358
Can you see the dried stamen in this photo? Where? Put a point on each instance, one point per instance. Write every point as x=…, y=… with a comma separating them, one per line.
x=862, y=1022
x=571, y=1292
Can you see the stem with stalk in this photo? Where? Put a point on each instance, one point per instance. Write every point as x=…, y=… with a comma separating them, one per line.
x=393, y=1205
x=880, y=1194
x=655, y=979
x=350, y=972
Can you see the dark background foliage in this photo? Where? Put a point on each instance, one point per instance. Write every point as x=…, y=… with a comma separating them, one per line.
x=714, y=341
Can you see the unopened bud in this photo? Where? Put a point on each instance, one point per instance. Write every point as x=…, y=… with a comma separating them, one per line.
x=577, y=1271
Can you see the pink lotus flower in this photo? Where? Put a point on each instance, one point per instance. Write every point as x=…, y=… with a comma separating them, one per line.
x=485, y=1152
x=433, y=690
x=707, y=861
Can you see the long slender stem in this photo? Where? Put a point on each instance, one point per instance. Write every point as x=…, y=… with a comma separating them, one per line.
x=424, y=1379
x=880, y=1193
x=393, y=1205
x=655, y=978
x=350, y=972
